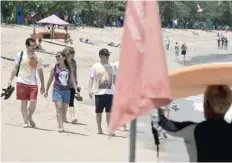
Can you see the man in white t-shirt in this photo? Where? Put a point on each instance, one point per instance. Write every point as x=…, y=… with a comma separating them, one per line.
x=26, y=87
x=103, y=75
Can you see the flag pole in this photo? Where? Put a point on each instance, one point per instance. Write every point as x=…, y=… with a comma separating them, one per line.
x=132, y=140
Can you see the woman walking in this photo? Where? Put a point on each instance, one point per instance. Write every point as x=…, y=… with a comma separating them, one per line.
x=62, y=73
x=70, y=53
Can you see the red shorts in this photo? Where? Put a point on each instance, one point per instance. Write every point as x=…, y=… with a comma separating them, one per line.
x=26, y=92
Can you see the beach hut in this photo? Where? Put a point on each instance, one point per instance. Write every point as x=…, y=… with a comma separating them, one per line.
x=52, y=20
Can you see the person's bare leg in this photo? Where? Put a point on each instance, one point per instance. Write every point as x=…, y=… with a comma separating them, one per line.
x=64, y=111
x=108, y=119
x=24, y=112
x=31, y=110
x=99, y=120
x=59, y=116
x=166, y=113
x=72, y=114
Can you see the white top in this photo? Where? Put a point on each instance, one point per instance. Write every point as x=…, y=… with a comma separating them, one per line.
x=103, y=76
x=28, y=67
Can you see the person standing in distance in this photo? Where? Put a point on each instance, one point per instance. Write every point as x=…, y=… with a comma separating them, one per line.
x=103, y=75
x=26, y=86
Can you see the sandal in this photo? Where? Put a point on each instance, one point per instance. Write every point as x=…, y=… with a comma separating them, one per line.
x=79, y=98
x=9, y=93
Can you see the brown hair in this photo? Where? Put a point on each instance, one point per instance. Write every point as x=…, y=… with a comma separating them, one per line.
x=218, y=99
x=66, y=63
x=68, y=50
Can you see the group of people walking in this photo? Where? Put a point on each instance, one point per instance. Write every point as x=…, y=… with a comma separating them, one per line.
x=222, y=42
x=178, y=50
x=65, y=86
x=64, y=74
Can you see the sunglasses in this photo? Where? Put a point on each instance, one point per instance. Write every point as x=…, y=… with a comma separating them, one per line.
x=106, y=54
x=58, y=56
x=33, y=46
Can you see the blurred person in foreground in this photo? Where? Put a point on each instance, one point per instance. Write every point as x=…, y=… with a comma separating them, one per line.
x=210, y=140
x=156, y=129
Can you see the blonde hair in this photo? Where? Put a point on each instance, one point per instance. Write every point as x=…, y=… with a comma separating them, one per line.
x=218, y=98
x=69, y=50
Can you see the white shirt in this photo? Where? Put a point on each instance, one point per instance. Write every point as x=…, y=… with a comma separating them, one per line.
x=28, y=67
x=103, y=76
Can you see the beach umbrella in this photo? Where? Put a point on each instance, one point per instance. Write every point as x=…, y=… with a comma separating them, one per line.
x=53, y=19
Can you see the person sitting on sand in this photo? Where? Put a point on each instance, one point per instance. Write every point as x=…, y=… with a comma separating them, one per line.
x=210, y=140
x=87, y=41
x=114, y=45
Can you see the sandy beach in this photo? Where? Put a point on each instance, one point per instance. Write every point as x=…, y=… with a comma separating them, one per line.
x=80, y=142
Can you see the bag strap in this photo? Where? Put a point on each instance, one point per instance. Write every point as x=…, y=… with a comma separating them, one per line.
x=21, y=56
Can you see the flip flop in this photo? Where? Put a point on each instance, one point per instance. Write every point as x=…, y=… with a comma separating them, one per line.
x=79, y=98
x=79, y=89
x=3, y=94
x=74, y=121
x=9, y=93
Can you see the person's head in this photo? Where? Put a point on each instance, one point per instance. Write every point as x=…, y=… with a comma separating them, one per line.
x=58, y=57
x=30, y=45
x=69, y=52
x=104, y=55
x=62, y=59
x=176, y=43
x=217, y=101
x=40, y=40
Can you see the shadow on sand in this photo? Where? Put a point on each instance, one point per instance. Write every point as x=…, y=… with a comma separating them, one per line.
x=37, y=128
x=203, y=59
x=74, y=133
x=81, y=124
x=43, y=129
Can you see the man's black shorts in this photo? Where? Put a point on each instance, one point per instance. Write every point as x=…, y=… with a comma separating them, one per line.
x=103, y=102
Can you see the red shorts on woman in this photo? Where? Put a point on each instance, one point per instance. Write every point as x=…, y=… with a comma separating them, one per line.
x=26, y=92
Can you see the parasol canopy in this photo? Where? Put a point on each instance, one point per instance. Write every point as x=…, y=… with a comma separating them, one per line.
x=53, y=19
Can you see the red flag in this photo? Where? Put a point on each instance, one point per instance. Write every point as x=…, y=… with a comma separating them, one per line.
x=199, y=9
x=142, y=80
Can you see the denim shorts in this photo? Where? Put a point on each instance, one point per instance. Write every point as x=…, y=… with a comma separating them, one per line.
x=61, y=95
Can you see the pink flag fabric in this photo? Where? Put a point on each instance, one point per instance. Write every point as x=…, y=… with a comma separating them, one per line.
x=142, y=80
x=199, y=9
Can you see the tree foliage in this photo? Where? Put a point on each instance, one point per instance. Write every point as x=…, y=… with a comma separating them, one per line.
x=219, y=12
